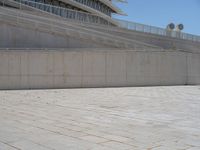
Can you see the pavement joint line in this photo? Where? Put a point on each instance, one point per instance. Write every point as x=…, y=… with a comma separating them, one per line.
x=10, y=145
x=171, y=122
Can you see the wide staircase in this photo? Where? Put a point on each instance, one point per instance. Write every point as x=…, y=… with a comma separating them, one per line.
x=93, y=25
x=58, y=25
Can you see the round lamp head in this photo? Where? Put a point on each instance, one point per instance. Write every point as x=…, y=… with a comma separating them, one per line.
x=180, y=27
x=171, y=26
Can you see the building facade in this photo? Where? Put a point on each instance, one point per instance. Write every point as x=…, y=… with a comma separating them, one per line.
x=101, y=8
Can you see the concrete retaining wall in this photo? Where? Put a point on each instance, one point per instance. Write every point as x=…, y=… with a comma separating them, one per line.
x=193, y=68
x=23, y=69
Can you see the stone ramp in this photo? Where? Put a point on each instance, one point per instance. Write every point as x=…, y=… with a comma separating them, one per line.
x=47, y=25
x=152, y=39
x=32, y=26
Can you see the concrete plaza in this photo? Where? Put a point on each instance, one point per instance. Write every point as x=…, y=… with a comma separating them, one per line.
x=139, y=118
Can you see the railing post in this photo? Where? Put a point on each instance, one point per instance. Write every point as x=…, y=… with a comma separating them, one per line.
x=99, y=21
x=143, y=28
x=20, y=4
x=76, y=15
x=87, y=18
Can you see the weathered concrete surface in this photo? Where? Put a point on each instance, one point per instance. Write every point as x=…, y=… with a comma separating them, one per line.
x=151, y=118
x=20, y=37
x=40, y=31
x=193, y=68
x=153, y=39
x=57, y=68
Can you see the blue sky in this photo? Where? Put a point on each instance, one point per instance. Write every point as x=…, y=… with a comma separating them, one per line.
x=161, y=12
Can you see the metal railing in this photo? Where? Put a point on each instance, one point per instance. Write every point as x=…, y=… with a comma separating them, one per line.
x=66, y=13
x=157, y=30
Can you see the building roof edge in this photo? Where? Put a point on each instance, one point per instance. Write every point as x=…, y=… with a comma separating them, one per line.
x=114, y=7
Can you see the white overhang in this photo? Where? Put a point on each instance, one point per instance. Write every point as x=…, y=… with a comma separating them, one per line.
x=123, y=1
x=113, y=7
x=108, y=3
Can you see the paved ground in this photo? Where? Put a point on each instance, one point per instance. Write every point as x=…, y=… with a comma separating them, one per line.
x=142, y=118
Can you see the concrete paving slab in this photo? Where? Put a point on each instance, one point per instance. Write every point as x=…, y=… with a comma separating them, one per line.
x=138, y=118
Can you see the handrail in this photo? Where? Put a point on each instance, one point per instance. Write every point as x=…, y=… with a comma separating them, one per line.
x=156, y=30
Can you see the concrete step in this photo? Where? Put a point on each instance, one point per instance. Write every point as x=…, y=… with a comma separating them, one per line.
x=94, y=35
x=120, y=34
x=72, y=22
x=153, y=39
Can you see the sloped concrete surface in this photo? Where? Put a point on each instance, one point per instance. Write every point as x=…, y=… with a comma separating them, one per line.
x=33, y=25
x=141, y=118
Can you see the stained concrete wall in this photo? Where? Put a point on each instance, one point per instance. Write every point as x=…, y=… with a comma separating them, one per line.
x=193, y=68
x=23, y=69
x=19, y=37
